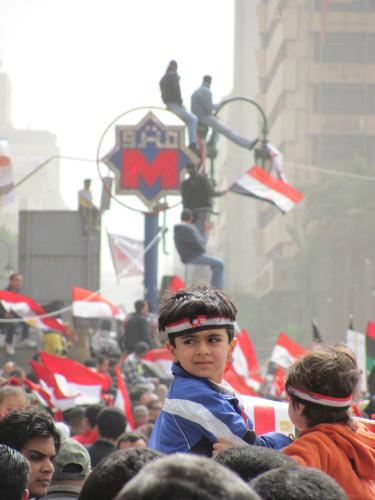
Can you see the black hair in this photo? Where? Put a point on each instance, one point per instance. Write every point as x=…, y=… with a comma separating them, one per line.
x=18, y=427
x=249, y=461
x=111, y=423
x=106, y=325
x=297, y=483
x=186, y=215
x=186, y=477
x=197, y=300
x=139, y=305
x=14, y=473
x=131, y=437
x=114, y=471
x=92, y=413
x=207, y=78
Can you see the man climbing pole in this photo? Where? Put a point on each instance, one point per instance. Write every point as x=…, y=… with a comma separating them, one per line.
x=197, y=192
x=171, y=96
x=203, y=107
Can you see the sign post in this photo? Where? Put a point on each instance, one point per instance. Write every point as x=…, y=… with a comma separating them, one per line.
x=148, y=159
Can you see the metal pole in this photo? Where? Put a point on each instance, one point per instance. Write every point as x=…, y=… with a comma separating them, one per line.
x=151, y=259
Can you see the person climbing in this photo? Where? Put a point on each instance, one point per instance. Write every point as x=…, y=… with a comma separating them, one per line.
x=203, y=107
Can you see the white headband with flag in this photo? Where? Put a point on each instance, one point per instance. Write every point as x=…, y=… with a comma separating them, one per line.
x=321, y=399
x=185, y=326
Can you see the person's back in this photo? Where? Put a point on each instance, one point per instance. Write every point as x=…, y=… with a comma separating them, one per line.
x=136, y=327
x=320, y=386
x=197, y=192
x=170, y=88
x=189, y=242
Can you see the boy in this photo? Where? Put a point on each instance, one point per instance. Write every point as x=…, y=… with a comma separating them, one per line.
x=320, y=387
x=200, y=408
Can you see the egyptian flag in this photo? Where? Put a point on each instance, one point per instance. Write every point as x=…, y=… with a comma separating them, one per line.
x=286, y=351
x=127, y=255
x=268, y=415
x=6, y=176
x=370, y=345
x=122, y=400
x=258, y=183
x=87, y=304
x=76, y=380
x=243, y=371
x=31, y=312
x=159, y=362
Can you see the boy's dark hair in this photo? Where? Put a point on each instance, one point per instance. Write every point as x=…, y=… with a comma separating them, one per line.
x=186, y=477
x=197, y=300
x=249, y=461
x=295, y=483
x=18, y=427
x=330, y=370
x=131, y=437
x=92, y=413
x=14, y=473
x=111, y=423
x=114, y=471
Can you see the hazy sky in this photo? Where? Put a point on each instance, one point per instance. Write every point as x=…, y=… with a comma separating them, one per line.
x=77, y=64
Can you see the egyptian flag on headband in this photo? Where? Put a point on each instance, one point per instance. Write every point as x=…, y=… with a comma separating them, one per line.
x=258, y=183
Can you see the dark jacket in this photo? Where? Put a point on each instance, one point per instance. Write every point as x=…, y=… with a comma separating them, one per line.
x=197, y=192
x=188, y=241
x=100, y=449
x=170, y=88
x=136, y=330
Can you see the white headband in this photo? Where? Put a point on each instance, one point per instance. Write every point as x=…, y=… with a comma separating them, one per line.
x=185, y=326
x=321, y=399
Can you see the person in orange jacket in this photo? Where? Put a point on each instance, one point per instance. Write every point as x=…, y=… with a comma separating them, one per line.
x=320, y=387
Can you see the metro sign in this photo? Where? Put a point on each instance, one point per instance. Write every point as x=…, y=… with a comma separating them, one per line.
x=148, y=159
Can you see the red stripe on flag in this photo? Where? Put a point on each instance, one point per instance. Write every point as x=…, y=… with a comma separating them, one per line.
x=370, y=332
x=292, y=347
x=277, y=185
x=264, y=419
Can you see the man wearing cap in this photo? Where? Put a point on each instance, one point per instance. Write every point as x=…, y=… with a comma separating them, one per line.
x=72, y=466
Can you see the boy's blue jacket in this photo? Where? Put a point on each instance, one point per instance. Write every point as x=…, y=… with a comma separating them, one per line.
x=197, y=412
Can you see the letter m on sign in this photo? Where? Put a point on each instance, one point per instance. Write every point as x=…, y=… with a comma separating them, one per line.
x=137, y=169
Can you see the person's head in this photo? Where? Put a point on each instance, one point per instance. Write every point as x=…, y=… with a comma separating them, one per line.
x=154, y=409
x=172, y=66
x=187, y=215
x=15, y=282
x=102, y=363
x=72, y=463
x=141, y=348
x=112, y=363
x=186, y=477
x=141, y=306
x=11, y=399
x=207, y=80
x=87, y=183
x=111, y=423
x=320, y=386
x=8, y=368
x=74, y=418
x=115, y=470
x=35, y=436
x=199, y=322
x=249, y=462
x=141, y=415
x=106, y=325
x=295, y=483
x=14, y=474
x=191, y=168
x=131, y=440
x=91, y=415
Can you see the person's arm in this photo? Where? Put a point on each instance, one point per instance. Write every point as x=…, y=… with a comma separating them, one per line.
x=175, y=85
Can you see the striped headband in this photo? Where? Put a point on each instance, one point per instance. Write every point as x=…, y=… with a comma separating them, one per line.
x=320, y=399
x=199, y=323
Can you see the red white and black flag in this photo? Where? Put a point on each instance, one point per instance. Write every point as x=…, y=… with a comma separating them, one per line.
x=127, y=255
x=258, y=183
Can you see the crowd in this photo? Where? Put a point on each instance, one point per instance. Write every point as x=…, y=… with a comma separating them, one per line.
x=191, y=438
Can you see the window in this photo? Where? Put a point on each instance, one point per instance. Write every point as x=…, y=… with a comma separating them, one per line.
x=356, y=48
x=339, y=98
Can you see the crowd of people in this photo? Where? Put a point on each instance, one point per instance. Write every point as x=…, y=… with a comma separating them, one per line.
x=191, y=437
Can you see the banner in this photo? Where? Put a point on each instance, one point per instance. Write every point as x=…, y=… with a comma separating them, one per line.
x=87, y=304
x=127, y=255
